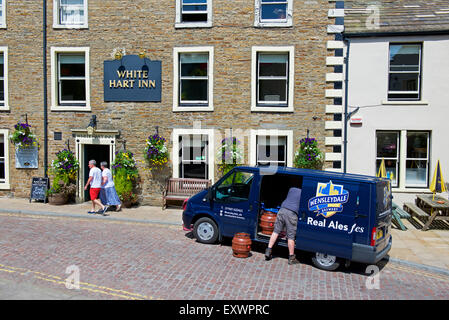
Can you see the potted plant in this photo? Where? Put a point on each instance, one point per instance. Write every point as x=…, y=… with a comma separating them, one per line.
x=63, y=169
x=229, y=154
x=156, y=152
x=60, y=193
x=308, y=155
x=125, y=176
x=22, y=137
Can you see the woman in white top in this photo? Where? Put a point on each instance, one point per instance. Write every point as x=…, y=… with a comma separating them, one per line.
x=108, y=194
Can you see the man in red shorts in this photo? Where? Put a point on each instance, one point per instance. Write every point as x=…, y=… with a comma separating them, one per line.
x=95, y=187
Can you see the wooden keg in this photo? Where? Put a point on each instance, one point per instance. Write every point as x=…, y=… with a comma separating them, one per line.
x=267, y=222
x=241, y=245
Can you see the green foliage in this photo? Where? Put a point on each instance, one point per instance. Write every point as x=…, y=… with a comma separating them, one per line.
x=64, y=169
x=125, y=176
x=229, y=155
x=308, y=155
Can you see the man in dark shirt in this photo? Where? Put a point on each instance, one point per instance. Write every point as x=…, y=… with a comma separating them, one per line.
x=287, y=217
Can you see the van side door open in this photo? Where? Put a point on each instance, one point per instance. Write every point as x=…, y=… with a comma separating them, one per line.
x=327, y=221
x=234, y=202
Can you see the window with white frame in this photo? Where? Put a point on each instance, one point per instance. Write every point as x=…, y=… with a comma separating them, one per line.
x=273, y=79
x=271, y=151
x=406, y=155
x=193, y=79
x=70, y=13
x=70, y=79
x=405, y=72
x=193, y=13
x=417, y=160
x=193, y=153
x=271, y=147
x=193, y=156
x=2, y=13
x=4, y=78
x=273, y=13
x=4, y=161
x=387, y=143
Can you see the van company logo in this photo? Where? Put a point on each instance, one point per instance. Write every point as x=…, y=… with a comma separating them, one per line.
x=329, y=199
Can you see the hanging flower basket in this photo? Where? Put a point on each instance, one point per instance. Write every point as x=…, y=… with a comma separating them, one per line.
x=156, y=152
x=22, y=136
x=229, y=154
x=308, y=155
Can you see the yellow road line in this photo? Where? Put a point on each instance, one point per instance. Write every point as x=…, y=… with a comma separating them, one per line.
x=83, y=285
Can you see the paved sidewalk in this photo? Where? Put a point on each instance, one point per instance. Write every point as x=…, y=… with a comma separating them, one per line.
x=429, y=248
x=140, y=214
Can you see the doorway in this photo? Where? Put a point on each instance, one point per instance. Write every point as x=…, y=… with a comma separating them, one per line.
x=96, y=152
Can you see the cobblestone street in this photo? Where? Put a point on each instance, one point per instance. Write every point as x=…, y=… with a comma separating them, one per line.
x=120, y=260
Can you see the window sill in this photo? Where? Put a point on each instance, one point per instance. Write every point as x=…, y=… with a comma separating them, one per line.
x=272, y=109
x=4, y=108
x=405, y=103
x=273, y=24
x=5, y=186
x=71, y=108
x=193, y=108
x=180, y=25
x=62, y=26
x=411, y=190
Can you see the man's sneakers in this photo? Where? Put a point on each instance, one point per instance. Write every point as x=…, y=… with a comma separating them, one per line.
x=268, y=254
x=292, y=259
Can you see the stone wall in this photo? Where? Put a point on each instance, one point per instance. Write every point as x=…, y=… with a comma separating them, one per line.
x=148, y=25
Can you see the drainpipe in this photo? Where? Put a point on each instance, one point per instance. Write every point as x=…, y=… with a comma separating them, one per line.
x=45, y=88
x=345, y=118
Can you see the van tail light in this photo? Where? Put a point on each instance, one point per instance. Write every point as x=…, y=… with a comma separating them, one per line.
x=184, y=205
x=373, y=237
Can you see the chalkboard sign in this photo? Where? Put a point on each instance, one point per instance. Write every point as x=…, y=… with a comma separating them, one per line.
x=39, y=187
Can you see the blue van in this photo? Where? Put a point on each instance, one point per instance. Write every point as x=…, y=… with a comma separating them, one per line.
x=342, y=217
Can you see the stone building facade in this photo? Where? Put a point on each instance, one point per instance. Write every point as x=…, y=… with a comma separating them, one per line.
x=234, y=37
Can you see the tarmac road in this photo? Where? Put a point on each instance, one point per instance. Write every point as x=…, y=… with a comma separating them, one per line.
x=129, y=260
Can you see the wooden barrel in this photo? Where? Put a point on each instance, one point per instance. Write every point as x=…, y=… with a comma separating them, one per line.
x=241, y=245
x=267, y=222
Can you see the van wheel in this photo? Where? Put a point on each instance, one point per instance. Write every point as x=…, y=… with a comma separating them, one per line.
x=325, y=261
x=205, y=230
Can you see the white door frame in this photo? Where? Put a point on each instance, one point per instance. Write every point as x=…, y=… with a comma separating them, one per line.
x=103, y=137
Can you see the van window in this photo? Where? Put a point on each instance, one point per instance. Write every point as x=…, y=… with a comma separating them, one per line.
x=383, y=191
x=235, y=188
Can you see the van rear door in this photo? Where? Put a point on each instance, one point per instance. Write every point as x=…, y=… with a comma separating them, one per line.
x=380, y=233
x=326, y=218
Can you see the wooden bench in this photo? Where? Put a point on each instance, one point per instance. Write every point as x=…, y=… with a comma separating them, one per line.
x=414, y=210
x=403, y=214
x=181, y=189
x=398, y=213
